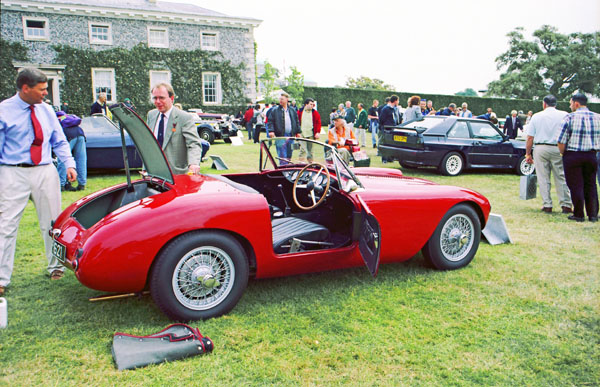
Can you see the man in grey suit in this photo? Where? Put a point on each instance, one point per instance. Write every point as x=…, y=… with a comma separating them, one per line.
x=175, y=131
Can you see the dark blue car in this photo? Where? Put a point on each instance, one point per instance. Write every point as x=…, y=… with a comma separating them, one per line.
x=103, y=144
x=452, y=144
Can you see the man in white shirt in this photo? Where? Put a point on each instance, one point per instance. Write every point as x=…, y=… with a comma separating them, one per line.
x=543, y=131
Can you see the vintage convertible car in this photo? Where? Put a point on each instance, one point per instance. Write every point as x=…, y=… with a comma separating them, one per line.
x=194, y=240
x=452, y=144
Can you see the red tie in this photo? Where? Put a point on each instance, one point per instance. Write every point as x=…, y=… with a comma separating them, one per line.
x=36, y=147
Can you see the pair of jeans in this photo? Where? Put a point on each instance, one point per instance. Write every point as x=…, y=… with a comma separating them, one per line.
x=79, y=154
x=249, y=129
x=580, y=172
x=374, y=128
x=284, y=151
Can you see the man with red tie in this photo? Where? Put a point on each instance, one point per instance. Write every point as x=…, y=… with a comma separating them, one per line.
x=29, y=133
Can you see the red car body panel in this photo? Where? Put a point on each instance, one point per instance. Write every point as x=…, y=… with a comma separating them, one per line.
x=118, y=251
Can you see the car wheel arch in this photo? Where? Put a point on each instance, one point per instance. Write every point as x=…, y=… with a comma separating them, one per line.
x=245, y=243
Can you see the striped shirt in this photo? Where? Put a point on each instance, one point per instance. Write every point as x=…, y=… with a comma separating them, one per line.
x=580, y=131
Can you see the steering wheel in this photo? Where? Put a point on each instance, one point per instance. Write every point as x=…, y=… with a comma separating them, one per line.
x=310, y=186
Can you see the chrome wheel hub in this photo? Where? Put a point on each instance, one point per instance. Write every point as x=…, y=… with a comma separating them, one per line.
x=203, y=278
x=456, y=239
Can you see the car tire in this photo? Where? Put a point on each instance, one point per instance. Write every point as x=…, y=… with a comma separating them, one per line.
x=206, y=134
x=524, y=169
x=452, y=164
x=455, y=240
x=184, y=283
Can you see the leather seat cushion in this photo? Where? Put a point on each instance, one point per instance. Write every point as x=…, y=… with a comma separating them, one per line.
x=284, y=229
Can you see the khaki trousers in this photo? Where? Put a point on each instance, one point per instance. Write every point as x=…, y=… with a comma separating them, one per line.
x=17, y=186
x=547, y=160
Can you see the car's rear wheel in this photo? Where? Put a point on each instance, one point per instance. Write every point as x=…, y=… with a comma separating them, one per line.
x=523, y=168
x=199, y=275
x=455, y=240
x=452, y=164
x=206, y=134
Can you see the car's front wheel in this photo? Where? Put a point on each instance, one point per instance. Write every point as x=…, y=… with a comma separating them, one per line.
x=455, y=240
x=452, y=164
x=199, y=275
x=207, y=135
x=523, y=168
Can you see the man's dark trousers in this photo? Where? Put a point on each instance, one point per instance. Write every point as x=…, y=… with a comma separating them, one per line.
x=580, y=173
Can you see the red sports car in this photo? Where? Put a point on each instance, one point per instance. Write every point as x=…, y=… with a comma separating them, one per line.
x=195, y=240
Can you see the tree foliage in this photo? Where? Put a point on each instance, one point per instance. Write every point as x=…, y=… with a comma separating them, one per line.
x=268, y=78
x=468, y=92
x=363, y=82
x=295, y=84
x=551, y=63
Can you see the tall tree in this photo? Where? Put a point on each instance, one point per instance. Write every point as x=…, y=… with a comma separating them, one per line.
x=468, y=92
x=551, y=63
x=268, y=79
x=363, y=82
x=295, y=84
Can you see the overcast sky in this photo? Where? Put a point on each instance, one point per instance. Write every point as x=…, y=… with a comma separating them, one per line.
x=428, y=46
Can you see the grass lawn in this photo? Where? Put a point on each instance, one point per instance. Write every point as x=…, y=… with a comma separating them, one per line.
x=522, y=314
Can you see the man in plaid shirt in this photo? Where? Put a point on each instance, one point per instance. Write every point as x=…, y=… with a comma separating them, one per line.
x=578, y=142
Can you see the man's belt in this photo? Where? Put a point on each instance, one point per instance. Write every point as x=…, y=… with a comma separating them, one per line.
x=544, y=143
x=22, y=165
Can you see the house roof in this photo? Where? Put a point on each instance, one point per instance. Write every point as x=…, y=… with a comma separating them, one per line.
x=130, y=8
x=144, y=5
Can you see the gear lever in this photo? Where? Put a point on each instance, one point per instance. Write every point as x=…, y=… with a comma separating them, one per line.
x=287, y=212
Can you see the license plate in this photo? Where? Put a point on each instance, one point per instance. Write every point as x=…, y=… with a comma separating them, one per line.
x=400, y=138
x=58, y=252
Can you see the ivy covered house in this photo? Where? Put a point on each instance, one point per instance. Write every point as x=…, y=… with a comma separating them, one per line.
x=122, y=47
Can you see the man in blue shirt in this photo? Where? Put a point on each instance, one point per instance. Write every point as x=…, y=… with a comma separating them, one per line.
x=29, y=133
x=578, y=142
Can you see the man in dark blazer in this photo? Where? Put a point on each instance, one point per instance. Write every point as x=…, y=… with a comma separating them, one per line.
x=175, y=131
x=512, y=125
x=282, y=121
x=99, y=107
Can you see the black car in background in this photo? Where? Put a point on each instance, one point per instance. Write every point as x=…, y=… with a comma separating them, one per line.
x=452, y=144
x=214, y=126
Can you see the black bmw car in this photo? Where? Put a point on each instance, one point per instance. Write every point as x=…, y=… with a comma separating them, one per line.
x=452, y=144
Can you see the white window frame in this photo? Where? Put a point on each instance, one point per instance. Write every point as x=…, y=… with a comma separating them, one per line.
x=209, y=48
x=26, y=35
x=100, y=24
x=151, y=72
x=113, y=84
x=219, y=96
x=159, y=45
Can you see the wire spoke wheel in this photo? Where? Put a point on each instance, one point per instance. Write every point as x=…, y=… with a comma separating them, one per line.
x=456, y=238
x=203, y=278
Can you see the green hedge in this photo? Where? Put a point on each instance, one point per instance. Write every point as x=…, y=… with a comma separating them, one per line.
x=10, y=52
x=330, y=97
x=132, y=75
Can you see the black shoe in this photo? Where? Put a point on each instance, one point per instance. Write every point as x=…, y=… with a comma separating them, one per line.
x=593, y=219
x=566, y=210
x=79, y=188
x=67, y=187
x=547, y=210
x=374, y=146
x=575, y=218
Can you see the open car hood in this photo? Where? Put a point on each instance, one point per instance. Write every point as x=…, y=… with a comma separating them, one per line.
x=154, y=160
